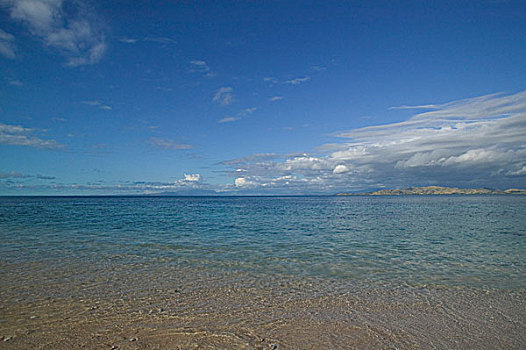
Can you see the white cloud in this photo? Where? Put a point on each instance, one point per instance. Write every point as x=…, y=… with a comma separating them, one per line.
x=200, y=66
x=247, y=111
x=472, y=142
x=7, y=46
x=270, y=80
x=224, y=96
x=97, y=104
x=19, y=136
x=168, y=144
x=192, y=177
x=519, y=172
x=340, y=169
x=276, y=98
x=242, y=182
x=298, y=81
x=228, y=120
x=67, y=26
x=239, y=116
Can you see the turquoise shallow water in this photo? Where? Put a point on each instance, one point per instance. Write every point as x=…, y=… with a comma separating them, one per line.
x=473, y=241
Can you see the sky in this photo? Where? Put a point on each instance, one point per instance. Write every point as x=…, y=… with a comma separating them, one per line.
x=260, y=97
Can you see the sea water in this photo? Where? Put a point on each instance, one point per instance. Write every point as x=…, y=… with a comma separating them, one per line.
x=450, y=240
x=335, y=272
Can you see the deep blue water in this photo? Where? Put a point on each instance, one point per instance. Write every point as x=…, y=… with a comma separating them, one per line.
x=477, y=241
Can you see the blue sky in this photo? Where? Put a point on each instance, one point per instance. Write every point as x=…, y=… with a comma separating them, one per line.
x=271, y=97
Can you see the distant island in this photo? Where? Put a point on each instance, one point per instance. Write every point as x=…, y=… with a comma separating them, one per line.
x=434, y=190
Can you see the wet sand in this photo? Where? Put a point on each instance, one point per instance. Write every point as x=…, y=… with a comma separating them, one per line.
x=169, y=307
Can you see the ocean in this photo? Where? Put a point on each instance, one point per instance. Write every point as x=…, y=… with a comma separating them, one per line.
x=263, y=272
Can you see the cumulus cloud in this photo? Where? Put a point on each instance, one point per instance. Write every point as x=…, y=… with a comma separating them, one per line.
x=224, y=96
x=276, y=98
x=20, y=136
x=340, y=169
x=168, y=144
x=192, y=177
x=67, y=26
x=243, y=182
x=472, y=142
x=7, y=45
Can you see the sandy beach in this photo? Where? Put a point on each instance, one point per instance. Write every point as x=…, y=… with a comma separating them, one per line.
x=140, y=308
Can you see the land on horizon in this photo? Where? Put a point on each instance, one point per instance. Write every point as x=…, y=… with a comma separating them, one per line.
x=435, y=190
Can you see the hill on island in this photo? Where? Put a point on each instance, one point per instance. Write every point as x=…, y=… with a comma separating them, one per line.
x=435, y=190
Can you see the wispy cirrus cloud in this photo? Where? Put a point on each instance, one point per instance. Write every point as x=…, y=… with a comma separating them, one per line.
x=97, y=104
x=294, y=81
x=224, y=96
x=128, y=40
x=199, y=66
x=67, y=26
x=7, y=45
x=238, y=116
x=161, y=40
x=228, y=119
x=271, y=80
x=472, y=142
x=297, y=81
x=17, y=135
x=168, y=144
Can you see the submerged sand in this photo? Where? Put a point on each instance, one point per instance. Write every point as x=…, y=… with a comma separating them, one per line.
x=141, y=307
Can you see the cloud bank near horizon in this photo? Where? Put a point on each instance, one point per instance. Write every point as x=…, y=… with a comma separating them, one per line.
x=478, y=141
x=474, y=142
